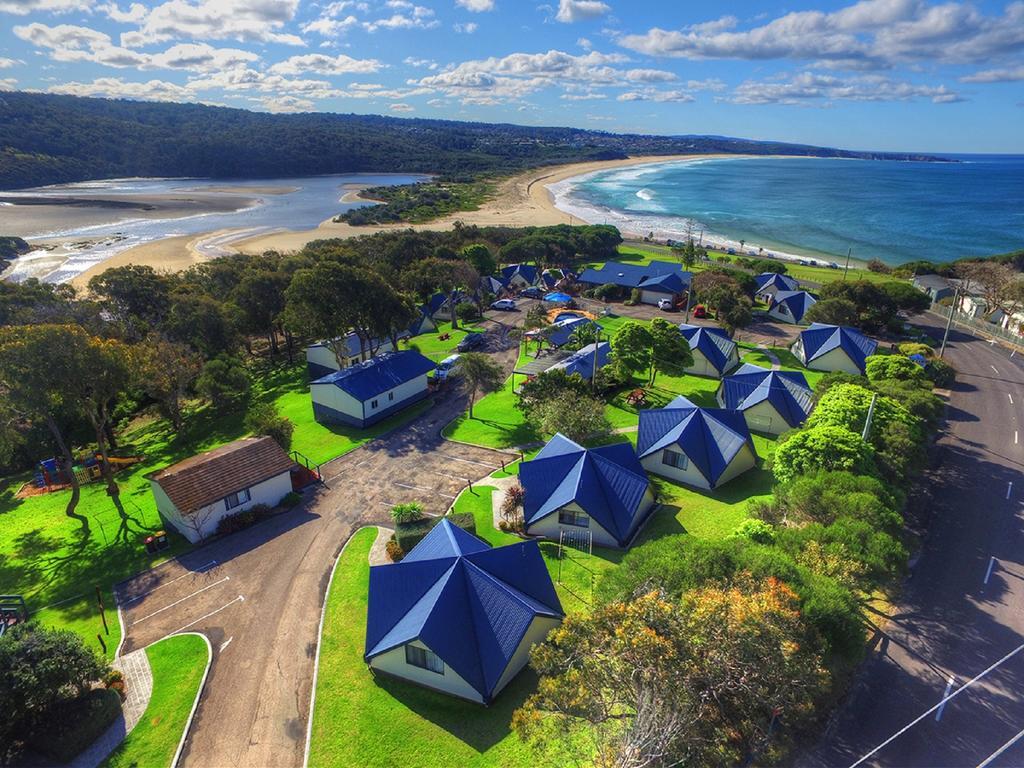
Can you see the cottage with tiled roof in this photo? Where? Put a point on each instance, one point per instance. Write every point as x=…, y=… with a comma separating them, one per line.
x=195, y=494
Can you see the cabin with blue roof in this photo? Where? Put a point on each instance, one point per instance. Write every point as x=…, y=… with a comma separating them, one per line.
x=365, y=393
x=585, y=360
x=560, y=332
x=519, y=276
x=458, y=616
x=770, y=283
x=656, y=280
x=834, y=348
x=322, y=359
x=791, y=306
x=714, y=353
x=770, y=401
x=493, y=285
x=701, y=447
x=571, y=488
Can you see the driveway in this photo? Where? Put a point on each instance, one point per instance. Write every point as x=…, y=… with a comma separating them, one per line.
x=961, y=610
x=257, y=594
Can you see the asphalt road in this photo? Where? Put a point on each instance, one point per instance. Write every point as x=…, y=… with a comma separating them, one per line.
x=962, y=610
x=257, y=594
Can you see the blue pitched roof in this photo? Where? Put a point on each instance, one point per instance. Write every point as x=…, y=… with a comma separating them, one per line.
x=713, y=343
x=774, y=279
x=787, y=391
x=562, y=330
x=493, y=284
x=582, y=361
x=527, y=271
x=608, y=483
x=470, y=604
x=352, y=345
x=820, y=339
x=672, y=282
x=710, y=437
x=376, y=376
x=434, y=303
x=634, y=275
x=797, y=302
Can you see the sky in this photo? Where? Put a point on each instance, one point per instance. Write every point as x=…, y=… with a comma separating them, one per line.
x=895, y=75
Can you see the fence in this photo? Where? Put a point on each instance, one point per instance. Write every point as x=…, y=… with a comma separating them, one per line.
x=983, y=327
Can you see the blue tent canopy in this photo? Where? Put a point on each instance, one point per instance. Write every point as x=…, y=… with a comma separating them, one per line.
x=558, y=297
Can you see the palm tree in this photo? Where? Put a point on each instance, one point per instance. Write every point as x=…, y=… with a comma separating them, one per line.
x=479, y=374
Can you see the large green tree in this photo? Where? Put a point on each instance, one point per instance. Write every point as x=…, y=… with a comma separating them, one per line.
x=166, y=370
x=136, y=296
x=478, y=373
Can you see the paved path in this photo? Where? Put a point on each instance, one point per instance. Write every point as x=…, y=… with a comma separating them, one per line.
x=961, y=609
x=776, y=365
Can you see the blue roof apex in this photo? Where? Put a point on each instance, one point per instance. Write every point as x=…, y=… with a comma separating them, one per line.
x=634, y=275
x=820, y=339
x=713, y=343
x=787, y=391
x=779, y=281
x=797, y=302
x=380, y=374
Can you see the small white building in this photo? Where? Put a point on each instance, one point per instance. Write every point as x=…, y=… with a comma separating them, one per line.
x=770, y=283
x=791, y=306
x=194, y=495
x=772, y=402
x=322, y=360
x=714, y=353
x=368, y=392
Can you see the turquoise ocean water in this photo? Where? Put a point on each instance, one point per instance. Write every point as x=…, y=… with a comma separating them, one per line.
x=893, y=211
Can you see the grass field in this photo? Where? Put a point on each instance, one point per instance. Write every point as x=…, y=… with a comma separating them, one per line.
x=178, y=664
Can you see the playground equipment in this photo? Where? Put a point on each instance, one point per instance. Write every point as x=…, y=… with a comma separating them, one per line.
x=54, y=475
x=12, y=611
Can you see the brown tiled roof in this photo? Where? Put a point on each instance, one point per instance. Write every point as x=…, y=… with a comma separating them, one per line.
x=201, y=480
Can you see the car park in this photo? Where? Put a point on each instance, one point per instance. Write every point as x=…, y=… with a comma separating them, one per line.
x=505, y=305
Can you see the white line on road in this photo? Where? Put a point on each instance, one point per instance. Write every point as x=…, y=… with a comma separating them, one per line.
x=211, y=613
x=1016, y=439
x=421, y=488
x=1009, y=488
x=470, y=461
x=994, y=368
x=450, y=477
x=227, y=642
x=200, y=569
x=950, y=697
x=1011, y=397
x=989, y=760
x=988, y=573
x=186, y=597
x=942, y=707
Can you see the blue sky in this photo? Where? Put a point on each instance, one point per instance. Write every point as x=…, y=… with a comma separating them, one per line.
x=876, y=74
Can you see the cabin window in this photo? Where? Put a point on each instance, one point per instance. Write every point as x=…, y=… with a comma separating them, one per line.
x=675, y=459
x=391, y=395
x=424, y=659
x=237, y=499
x=373, y=403
x=572, y=517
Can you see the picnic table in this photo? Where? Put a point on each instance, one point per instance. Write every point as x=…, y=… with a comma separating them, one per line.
x=637, y=398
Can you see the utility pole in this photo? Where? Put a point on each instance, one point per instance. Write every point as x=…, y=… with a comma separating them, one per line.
x=949, y=321
x=871, y=415
x=849, y=252
x=597, y=347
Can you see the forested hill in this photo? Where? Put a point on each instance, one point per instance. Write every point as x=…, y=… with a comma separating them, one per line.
x=47, y=139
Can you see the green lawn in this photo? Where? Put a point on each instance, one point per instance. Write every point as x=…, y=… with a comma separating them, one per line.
x=178, y=663
x=431, y=345
x=787, y=362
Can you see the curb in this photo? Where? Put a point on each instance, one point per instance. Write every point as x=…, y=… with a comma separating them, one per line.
x=319, y=645
x=199, y=693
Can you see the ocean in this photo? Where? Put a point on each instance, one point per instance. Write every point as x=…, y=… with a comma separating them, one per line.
x=812, y=207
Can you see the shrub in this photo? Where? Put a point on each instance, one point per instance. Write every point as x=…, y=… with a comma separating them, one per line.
x=504, y=527
x=606, y=292
x=289, y=500
x=941, y=373
x=260, y=511
x=908, y=348
x=407, y=513
x=756, y=531
x=893, y=368
x=513, y=501
x=466, y=311
x=263, y=419
x=394, y=551
x=823, y=446
x=408, y=535
x=74, y=725
x=238, y=521
x=224, y=381
x=879, y=266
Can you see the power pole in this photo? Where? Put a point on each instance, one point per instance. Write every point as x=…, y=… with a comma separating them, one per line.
x=849, y=251
x=949, y=321
x=871, y=415
x=597, y=347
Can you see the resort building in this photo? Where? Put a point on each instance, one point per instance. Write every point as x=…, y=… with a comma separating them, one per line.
x=791, y=306
x=194, y=495
x=601, y=493
x=519, y=276
x=936, y=286
x=655, y=281
x=586, y=360
x=560, y=332
x=368, y=392
x=702, y=447
x=714, y=353
x=833, y=348
x=770, y=283
x=322, y=360
x=771, y=401
x=457, y=616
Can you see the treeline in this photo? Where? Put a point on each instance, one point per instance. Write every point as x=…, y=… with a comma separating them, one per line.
x=48, y=139
x=416, y=203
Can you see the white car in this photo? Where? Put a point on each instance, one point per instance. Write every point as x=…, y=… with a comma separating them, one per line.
x=666, y=305
x=445, y=367
x=506, y=305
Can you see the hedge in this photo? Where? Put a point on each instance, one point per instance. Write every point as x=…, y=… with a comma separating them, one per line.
x=408, y=535
x=75, y=725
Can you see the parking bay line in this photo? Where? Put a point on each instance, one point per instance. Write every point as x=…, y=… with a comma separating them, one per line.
x=470, y=461
x=176, y=602
x=421, y=488
x=945, y=697
x=211, y=613
x=200, y=569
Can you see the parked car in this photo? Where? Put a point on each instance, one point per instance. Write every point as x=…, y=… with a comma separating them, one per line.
x=470, y=342
x=666, y=305
x=700, y=311
x=833, y=265
x=445, y=368
x=533, y=292
x=506, y=305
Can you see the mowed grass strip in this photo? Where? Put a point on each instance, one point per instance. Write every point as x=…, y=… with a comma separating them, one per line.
x=178, y=663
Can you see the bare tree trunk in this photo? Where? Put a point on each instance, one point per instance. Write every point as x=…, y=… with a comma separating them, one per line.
x=69, y=462
x=100, y=423
x=288, y=340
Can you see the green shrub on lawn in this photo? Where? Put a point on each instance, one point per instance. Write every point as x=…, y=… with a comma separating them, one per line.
x=408, y=535
x=72, y=726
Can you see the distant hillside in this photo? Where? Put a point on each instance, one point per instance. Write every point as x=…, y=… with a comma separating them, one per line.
x=46, y=139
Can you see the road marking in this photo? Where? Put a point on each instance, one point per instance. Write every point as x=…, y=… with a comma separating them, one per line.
x=227, y=642
x=200, y=569
x=994, y=368
x=950, y=697
x=945, y=696
x=421, y=488
x=470, y=461
x=1009, y=488
x=988, y=573
x=450, y=477
x=211, y=613
x=1016, y=440
x=1011, y=397
x=186, y=597
x=989, y=760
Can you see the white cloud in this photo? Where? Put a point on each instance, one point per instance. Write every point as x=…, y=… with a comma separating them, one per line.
x=585, y=44
x=331, y=27
x=421, y=63
x=412, y=17
x=8, y=84
x=570, y=11
x=995, y=76
x=241, y=20
x=284, y=104
x=869, y=33
x=467, y=28
x=815, y=88
x=200, y=57
x=8, y=63
x=117, y=88
x=476, y=6
x=136, y=12
x=402, y=108
x=25, y=7
x=651, y=94
x=325, y=65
